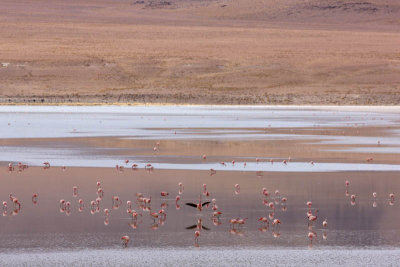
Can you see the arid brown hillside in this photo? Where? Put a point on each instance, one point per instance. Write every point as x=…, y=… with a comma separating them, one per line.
x=201, y=51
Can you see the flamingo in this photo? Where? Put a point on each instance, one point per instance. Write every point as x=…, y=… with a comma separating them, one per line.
x=46, y=165
x=325, y=223
x=271, y=205
x=276, y=222
x=181, y=187
x=135, y=214
x=129, y=205
x=265, y=192
x=217, y=213
x=62, y=205
x=353, y=198
x=264, y=220
x=75, y=191
x=233, y=222
x=35, y=198
x=4, y=208
x=241, y=222
x=311, y=235
x=312, y=218
x=10, y=167
x=125, y=240
x=237, y=189
x=325, y=235
x=391, y=202
x=196, y=237
x=271, y=215
x=212, y=172
x=106, y=212
x=162, y=213
x=154, y=215
x=199, y=205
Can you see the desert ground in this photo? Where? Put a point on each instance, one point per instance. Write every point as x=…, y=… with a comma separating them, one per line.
x=200, y=52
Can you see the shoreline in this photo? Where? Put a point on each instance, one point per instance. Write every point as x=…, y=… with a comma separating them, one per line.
x=5, y=107
x=290, y=99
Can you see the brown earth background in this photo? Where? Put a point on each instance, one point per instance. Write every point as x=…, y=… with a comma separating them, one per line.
x=200, y=51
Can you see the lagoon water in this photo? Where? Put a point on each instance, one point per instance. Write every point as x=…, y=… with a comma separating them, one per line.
x=307, y=153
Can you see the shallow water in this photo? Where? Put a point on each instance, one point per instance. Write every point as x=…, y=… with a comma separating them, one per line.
x=104, y=136
x=338, y=142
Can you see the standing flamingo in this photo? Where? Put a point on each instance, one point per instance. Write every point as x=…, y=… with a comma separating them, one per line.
x=125, y=240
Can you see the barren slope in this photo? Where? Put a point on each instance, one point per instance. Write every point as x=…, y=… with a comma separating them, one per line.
x=210, y=51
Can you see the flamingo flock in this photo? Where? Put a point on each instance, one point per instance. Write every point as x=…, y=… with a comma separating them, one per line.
x=274, y=203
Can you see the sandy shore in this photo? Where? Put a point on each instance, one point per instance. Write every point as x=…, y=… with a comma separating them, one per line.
x=372, y=99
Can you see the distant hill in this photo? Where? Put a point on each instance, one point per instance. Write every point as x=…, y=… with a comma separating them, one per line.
x=200, y=51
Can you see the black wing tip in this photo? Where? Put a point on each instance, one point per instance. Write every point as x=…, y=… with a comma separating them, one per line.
x=206, y=203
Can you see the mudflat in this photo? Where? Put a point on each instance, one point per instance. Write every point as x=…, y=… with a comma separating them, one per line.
x=215, y=52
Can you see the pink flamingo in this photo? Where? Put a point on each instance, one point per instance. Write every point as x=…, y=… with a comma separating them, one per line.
x=125, y=240
x=199, y=206
x=212, y=172
x=181, y=187
x=311, y=235
x=237, y=189
x=46, y=165
x=312, y=218
x=196, y=237
x=75, y=191
x=35, y=198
